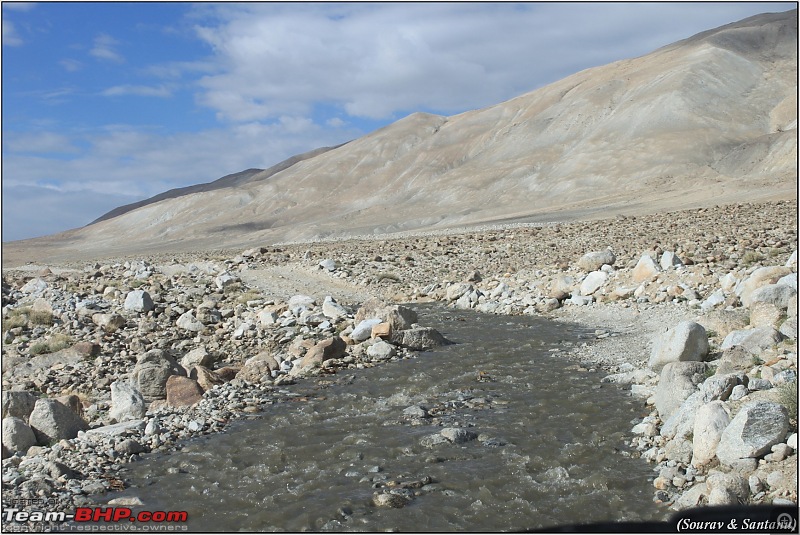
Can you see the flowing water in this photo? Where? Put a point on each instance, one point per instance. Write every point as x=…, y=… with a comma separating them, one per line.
x=550, y=449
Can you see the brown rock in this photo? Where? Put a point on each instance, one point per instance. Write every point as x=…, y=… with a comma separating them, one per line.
x=332, y=348
x=206, y=378
x=227, y=373
x=183, y=391
x=86, y=349
x=258, y=368
x=382, y=330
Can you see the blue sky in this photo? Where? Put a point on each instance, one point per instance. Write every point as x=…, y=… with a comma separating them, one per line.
x=104, y=104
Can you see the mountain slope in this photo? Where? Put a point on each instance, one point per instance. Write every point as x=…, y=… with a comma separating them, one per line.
x=709, y=119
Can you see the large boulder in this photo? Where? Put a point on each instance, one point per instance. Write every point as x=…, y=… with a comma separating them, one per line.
x=139, y=301
x=151, y=373
x=753, y=341
x=17, y=435
x=774, y=294
x=18, y=403
x=52, y=421
x=757, y=279
x=709, y=423
x=685, y=342
x=127, y=403
x=677, y=382
x=726, y=488
x=757, y=427
x=419, y=339
x=594, y=260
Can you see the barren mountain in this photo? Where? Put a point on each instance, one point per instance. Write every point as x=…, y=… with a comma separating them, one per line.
x=708, y=120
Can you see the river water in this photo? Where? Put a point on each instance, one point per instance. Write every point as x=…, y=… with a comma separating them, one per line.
x=550, y=446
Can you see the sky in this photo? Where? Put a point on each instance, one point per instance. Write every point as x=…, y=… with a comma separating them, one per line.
x=105, y=104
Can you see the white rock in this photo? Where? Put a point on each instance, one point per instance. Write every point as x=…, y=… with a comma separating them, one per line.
x=127, y=403
x=646, y=269
x=687, y=341
x=709, y=423
x=17, y=435
x=139, y=301
x=363, y=330
x=593, y=282
x=670, y=260
x=188, y=322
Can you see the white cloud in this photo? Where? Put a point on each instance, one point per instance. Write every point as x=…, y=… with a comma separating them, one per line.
x=71, y=65
x=137, y=90
x=119, y=164
x=103, y=48
x=378, y=60
x=10, y=35
x=38, y=142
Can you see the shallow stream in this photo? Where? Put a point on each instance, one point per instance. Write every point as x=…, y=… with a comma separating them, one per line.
x=550, y=448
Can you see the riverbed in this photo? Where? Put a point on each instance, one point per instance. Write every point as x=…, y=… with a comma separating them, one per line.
x=542, y=444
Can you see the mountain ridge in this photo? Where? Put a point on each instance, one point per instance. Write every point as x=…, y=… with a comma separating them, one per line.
x=709, y=119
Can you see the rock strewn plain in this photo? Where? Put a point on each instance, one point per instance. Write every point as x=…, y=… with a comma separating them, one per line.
x=72, y=331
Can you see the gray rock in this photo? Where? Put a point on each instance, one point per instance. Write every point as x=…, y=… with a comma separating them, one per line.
x=267, y=317
x=715, y=298
x=381, y=350
x=17, y=435
x=115, y=430
x=127, y=403
x=687, y=341
x=456, y=290
x=753, y=341
x=757, y=383
x=753, y=431
x=789, y=280
x=129, y=446
x=789, y=327
x=18, y=403
x=760, y=277
x=594, y=260
x=738, y=392
x=419, y=339
x=430, y=441
x=332, y=309
x=400, y=317
x=43, y=362
x=151, y=373
x=189, y=322
x=681, y=423
x=303, y=302
x=593, y=282
x=139, y=301
x=225, y=279
x=726, y=489
x=677, y=382
x=709, y=423
x=775, y=294
x=458, y=435
x=34, y=287
x=719, y=387
x=51, y=421
x=197, y=357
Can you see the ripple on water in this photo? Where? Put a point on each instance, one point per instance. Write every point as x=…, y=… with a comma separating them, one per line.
x=552, y=455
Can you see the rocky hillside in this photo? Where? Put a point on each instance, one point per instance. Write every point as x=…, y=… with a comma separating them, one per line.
x=710, y=119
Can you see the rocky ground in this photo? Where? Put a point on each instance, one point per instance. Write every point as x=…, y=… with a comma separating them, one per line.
x=696, y=310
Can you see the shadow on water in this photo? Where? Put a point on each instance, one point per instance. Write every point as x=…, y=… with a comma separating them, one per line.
x=547, y=444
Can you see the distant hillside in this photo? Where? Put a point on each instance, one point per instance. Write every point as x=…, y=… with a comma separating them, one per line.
x=708, y=120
